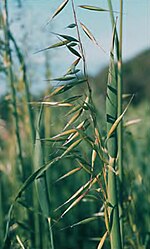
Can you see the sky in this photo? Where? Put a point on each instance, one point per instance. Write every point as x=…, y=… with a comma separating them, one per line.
x=28, y=24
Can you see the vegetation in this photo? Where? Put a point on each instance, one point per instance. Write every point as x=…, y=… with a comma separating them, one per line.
x=74, y=169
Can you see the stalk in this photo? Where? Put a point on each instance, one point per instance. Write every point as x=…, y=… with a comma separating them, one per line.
x=118, y=42
x=33, y=219
x=113, y=23
x=1, y=210
x=42, y=185
x=81, y=48
x=111, y=111
x=8, y=60
x=120, y=126
x=27, y=92
x=8, y=36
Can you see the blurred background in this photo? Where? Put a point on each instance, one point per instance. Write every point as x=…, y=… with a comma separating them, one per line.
x=28, y=21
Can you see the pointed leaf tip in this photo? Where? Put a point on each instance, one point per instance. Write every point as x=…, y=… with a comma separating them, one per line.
x=60, y=8
x=88, y=33
x=94, y=8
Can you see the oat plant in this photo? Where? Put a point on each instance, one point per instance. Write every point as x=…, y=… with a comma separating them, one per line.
x=92, y=152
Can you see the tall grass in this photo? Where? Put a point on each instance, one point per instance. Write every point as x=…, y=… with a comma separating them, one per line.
x=111, y=110
x=10, y=75
x=120, y=126
x=72, y=169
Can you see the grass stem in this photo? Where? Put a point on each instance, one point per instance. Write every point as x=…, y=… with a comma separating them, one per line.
x=9, y=62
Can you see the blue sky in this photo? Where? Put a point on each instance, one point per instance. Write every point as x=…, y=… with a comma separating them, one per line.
x=32, y=34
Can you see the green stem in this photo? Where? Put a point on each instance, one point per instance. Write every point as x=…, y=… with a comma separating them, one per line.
x=11, y=81
x=41, y=183
x=115, y=235
x=111, y=110
x=118, y=42
x=81, y=48
x=27, y=92
x=50, y=234
x=113, y=23
x=120, y=133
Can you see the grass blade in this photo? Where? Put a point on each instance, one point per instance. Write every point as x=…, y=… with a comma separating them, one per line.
x=85, y=221
x=102, y=240
x=56, y=45
x=20, y=242
x=71, y=172
x=118, y=120
x=60, y=8
x=71, y=26
x=73, y=204
x=73, y=51
x=93, y=8
x=88, y=33
x=72, y=146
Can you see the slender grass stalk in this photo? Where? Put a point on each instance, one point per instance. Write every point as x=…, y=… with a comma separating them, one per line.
x=111, y=111
x=113, y=23
x=8, y=36
x=25, y=81
x=1, y=209
x=81, y=47
x=41, y=183
x=33, y=218
x=8, y=60
x=120, y=130
x=50, y=234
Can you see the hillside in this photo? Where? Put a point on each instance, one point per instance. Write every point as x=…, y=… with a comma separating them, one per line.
x=136, y=77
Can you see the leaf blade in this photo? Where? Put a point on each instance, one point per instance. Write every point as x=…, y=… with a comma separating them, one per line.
x=60, y=8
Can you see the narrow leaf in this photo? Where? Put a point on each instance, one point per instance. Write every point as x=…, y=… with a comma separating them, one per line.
x=85, y=221
x=74, y=109
x=73, y=119
x=72, y=146
x=88, y=33
x=59, y=44
x=102, y=240
x=73, y=204
x=79, y=198
x=75, y=71
x=60, y=8
x=73, y=51
x=70, y=138
x=71, y=26
x=68, y=78
x=56, y=91
x=64, y=133
x=73, y=98
x=35, y=175
x=106, y=216
x=89, y=7
x=86, y=168
x=53, y=103
x=67, y=37
x=75, y=194
x=20, y=242
x=71, y=172
x=114, y=126
x=74, y=135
